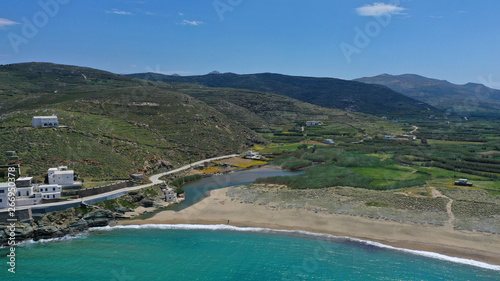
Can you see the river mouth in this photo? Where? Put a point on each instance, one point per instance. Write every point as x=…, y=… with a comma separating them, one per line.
x=198, y=190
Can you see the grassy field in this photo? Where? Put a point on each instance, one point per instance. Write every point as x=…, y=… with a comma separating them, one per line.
x=387, y=165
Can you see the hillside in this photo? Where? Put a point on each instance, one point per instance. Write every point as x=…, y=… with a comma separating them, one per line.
x=326, y=92
x=470, y=97
x=259, y=110
x=115, y=124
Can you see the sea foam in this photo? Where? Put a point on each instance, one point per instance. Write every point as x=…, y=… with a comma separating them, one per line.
x=219, y=227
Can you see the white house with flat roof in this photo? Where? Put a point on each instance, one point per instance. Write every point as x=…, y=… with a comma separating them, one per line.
x=50, y=191
x=314, y=123
x=62, y=176
x=29, y=195
x=24, y=194
x=24, y=182
x=45, y=121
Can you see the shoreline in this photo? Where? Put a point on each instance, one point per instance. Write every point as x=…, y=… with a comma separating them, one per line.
x=219, y=209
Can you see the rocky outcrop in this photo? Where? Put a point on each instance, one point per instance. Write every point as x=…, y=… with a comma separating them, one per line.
x=46, y=232
x=99, y=218
x=58, y=224
x=78, y=219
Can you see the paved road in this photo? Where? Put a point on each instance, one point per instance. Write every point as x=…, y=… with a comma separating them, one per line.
x=155, y=179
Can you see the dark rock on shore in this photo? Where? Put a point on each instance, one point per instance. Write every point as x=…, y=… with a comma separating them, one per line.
x=57, y=224
x=46, y=232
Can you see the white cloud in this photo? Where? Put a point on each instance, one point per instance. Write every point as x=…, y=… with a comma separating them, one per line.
x=379, y=9
x=118, y=12
x=6, y=22
x=181, y=14
x=191, y=22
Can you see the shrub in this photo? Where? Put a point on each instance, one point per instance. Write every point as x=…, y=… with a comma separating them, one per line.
x=295, y=164
x=187, y=179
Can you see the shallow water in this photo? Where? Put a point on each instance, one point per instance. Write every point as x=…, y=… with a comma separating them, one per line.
x=198, y=190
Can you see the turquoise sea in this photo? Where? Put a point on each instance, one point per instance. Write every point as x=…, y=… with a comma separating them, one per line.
x=218, y=252
x=221, y=252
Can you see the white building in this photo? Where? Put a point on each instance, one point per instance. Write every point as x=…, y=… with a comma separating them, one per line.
x=50, y=191
x=4, y=190
x=170, y=195
x=24, y=193
x=253, y=155
x=29, y=195
x=329, y=141
x=24, y=182
x=45, y=121
x=62, y=176
x=314, y=123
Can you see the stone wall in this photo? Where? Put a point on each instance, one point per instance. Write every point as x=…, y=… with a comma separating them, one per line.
x=20, y=215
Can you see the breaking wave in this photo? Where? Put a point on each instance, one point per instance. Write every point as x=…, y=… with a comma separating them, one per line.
x=219, y=227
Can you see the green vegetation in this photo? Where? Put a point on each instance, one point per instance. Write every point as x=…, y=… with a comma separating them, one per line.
x=344, y=169
x=380, y=164
x=376, y=204
x=187, y=179
x=133, y=199
x=179, y=190
x=282, y=119
x=326, y=92
x=83, y=210
x=294, y=164
x=116, y=125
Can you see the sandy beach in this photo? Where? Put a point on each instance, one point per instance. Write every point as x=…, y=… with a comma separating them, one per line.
x=220, y=209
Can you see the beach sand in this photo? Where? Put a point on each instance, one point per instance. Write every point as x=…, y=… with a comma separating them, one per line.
x=220, y=209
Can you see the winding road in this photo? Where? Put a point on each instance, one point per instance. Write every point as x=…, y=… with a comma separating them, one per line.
x=155, y=179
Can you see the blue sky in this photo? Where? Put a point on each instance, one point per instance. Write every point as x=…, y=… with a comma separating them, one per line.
x=445, y=39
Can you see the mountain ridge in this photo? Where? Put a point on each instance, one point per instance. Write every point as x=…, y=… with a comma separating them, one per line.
x=443, y=94
x=327, y=92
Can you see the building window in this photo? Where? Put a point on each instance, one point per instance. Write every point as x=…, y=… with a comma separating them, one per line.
x=53, y=189
x=19, y=193
x=54, y=196
x=27, y=193
x=2, y=191
x=1, y=200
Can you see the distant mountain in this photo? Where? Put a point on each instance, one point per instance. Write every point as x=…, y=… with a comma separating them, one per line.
x=326, y=92
x=442, y=94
